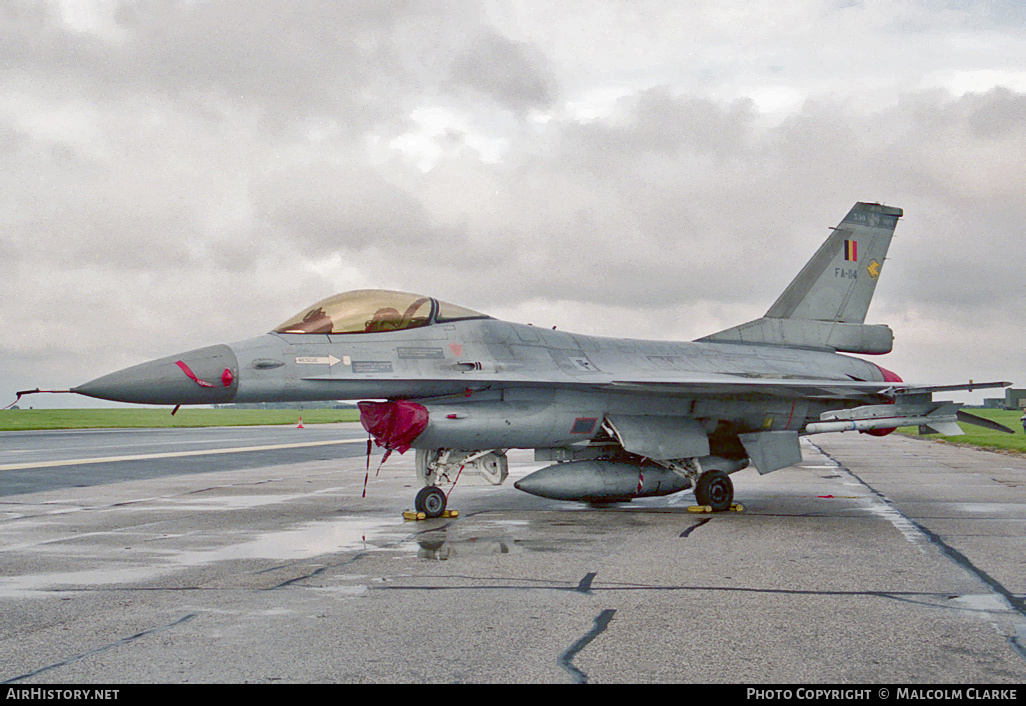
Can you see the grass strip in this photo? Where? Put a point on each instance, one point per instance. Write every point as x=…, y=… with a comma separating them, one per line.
x=985, y=438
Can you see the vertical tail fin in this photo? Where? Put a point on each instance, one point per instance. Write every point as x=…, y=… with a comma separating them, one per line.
x=825, y=305
x=838, y=282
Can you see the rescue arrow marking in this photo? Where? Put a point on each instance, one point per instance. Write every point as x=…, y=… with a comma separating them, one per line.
x=328, y=360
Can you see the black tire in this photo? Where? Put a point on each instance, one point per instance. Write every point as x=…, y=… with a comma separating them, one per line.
x=715, y=489
x=431, y=501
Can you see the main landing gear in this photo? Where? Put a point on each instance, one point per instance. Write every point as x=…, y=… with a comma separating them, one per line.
x=715, y=489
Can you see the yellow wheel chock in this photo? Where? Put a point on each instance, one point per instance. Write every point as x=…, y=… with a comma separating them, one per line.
x=736, y=507
x=412, y=516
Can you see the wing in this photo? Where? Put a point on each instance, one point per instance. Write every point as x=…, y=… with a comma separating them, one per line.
x=890, y=404
x=679, y=384
x=714, y=385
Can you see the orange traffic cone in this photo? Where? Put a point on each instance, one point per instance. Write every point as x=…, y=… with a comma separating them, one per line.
x=300, y=423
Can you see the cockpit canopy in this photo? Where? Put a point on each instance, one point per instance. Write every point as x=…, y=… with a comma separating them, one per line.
x=373, y=311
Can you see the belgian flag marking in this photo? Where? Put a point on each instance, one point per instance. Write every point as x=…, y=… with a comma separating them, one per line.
x=851, y=250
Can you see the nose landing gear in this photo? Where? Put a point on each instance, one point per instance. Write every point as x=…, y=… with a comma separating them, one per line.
x=430, y=504
x=431, y=501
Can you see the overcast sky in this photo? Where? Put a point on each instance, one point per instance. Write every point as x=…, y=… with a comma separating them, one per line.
x=182, y=173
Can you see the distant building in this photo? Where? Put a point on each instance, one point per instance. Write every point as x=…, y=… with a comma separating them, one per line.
x=1015, y=398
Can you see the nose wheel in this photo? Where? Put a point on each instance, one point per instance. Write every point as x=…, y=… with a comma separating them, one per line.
x=431, y=501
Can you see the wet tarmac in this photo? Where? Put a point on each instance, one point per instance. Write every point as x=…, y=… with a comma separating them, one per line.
x=33, y=461
x=878, y=560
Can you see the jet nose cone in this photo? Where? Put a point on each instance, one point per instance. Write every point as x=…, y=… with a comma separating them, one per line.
x=203, y=376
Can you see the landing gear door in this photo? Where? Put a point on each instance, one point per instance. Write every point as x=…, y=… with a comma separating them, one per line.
x=771, y=450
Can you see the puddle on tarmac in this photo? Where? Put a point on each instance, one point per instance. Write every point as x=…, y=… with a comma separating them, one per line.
x=301, y=542
x=26, y=585
x=494, y=538
x=442, y=549
x=225, y=502
x=296, y=543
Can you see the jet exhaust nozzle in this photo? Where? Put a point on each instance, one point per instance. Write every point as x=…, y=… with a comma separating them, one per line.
x=203, y=376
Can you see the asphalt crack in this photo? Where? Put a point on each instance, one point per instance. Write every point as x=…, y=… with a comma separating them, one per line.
x=98, y=650
x=566, y=659
x=695, y=526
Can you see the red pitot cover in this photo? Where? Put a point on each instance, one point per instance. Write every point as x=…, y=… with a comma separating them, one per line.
x=395, y=424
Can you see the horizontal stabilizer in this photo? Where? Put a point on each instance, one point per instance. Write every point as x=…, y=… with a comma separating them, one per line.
x=967, y=418
x=967, y=387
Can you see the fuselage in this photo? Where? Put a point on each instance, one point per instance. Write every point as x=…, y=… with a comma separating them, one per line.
x=620, y=418
x=534, y=381
x=446, y=359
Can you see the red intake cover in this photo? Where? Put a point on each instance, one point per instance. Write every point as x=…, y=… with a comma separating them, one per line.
x=394, y=424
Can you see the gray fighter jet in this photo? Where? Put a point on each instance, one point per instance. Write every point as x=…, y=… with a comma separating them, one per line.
x=618, y=418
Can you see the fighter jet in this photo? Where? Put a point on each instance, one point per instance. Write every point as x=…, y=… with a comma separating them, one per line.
x=617, y=418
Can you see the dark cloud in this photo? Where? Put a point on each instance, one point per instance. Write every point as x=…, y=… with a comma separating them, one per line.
x=323, y=209
x=513, y=74
x=653, y=205
x=359, y=62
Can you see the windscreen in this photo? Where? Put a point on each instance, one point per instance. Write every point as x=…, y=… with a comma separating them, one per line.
x=451, y=312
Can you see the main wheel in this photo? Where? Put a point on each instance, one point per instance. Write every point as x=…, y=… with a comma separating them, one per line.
x=715, y=489
x=431, y=501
